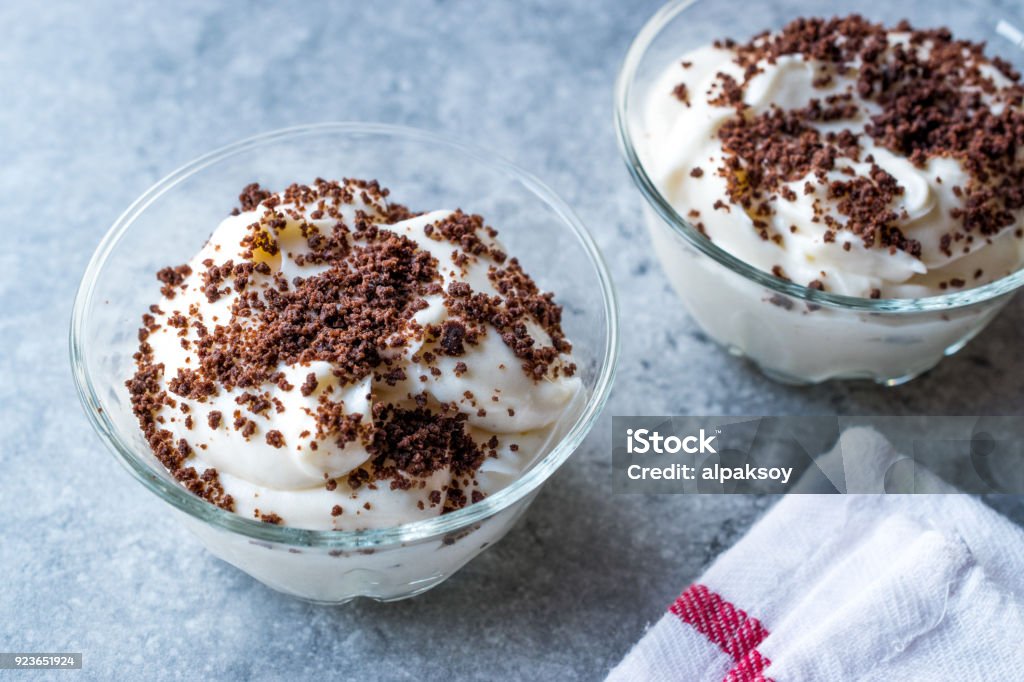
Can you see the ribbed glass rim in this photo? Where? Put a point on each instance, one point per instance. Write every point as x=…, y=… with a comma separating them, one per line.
x=624, y=89
x=206, y=512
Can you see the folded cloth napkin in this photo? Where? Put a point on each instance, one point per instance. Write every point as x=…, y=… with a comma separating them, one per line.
x=851, y=587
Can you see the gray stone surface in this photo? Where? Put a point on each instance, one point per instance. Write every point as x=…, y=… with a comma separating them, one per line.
x=99, y=100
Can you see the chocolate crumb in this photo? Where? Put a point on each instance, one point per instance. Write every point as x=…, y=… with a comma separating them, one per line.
x=269, y=518
x=357, y=313
x=309, y=385
x=680, y=92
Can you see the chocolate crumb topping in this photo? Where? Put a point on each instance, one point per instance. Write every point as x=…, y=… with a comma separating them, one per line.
x=930, y=97
x=146, y=399
x=268, y=518
x=465, y=231
x=309, y=385
x=251, y=196
x=347, y=315
x=356, y=313
x=171, y=278
x=453, y=333
x=682, y=94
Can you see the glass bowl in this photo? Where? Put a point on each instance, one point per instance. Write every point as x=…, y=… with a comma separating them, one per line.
x=793, y=333
x=171, y=221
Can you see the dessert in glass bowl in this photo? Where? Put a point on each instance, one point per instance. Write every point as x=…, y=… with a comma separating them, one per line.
x=345, y=396
x=832, y=197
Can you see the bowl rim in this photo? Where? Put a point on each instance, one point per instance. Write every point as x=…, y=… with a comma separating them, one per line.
x=624, y=85
x=194, y=506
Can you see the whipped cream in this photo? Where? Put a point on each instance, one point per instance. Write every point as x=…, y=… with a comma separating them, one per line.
x=847, y=157
x=800, y=235
x=330, y=361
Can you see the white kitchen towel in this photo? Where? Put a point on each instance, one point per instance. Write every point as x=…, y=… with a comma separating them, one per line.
x=851, y=587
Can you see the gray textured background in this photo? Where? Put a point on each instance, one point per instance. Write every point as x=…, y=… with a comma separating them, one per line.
x=98, y=101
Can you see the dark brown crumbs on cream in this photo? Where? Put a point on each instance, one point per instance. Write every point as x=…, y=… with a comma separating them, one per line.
x=251, y=196
x=930, y=98
x=348, y=315
x=172, y=277
x=521, y=297
x=333, y=421
x=682, y=94
x=268, y=518
x=309, y=385
x=469, y=233
x=190, y=384
x=147, y=398
x=453, y=336
x=356, y=314
x=414, y=443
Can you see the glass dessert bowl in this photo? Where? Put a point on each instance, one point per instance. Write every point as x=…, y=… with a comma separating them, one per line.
x=795, y=327
x=169, y=223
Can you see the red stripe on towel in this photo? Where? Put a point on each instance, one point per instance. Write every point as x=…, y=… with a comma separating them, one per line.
x=726, y=626
x=750, y=669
